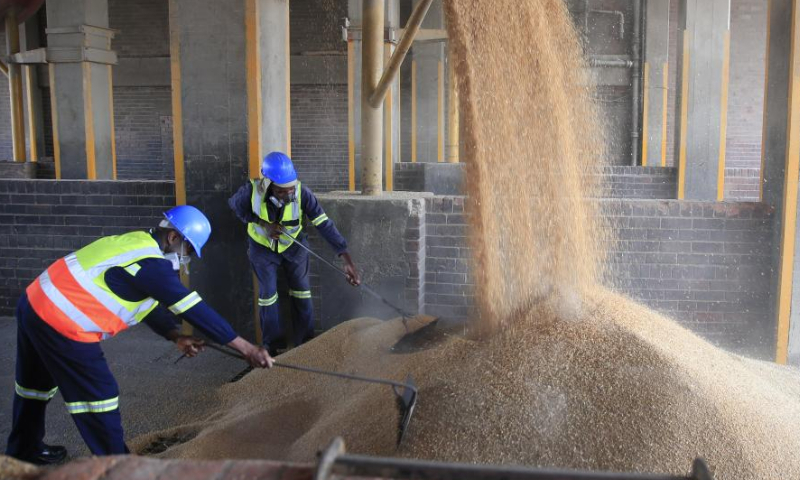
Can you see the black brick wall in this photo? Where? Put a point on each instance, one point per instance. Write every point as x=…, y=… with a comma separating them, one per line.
x=41, y=221
x=319, y=135
x=143, y=123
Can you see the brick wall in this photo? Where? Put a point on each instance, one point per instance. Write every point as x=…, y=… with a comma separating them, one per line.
x=704, y=264
x=143, y=27
x=316, y=26
x=319, y=135
x=42, y=220
x=143, y=123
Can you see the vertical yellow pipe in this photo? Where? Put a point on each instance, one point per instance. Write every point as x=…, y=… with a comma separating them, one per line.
x=253, y=72
x=723, y=125
x=111, y=120
x=15, y=89
x=645, y=112
x=789, y=213
x=387, y=126
x=414, y=111
x=684, y=120
x=664, y=107
x=440, y=114
x=452, y=112
x=88, y=117
x=351, y=116
x=32, y=113
x=177, y=105
x=54, y=119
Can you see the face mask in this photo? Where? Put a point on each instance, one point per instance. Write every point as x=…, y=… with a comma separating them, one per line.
x=179, y=259
x=280, y=203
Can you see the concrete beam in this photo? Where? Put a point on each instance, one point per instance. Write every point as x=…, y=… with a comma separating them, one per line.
x=703, y=65
x=655, y=85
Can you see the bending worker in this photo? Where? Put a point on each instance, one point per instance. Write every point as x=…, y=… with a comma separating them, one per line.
x=272, y=207
x=93, y=294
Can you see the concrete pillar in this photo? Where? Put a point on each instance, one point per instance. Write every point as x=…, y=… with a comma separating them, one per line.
x=428, y=85
x=781, y=162
x=34, y=126
x=275, y=83
x=703, y=65
x=80, y=61
x=656, y=85
x=391, y=107
x=15, y=89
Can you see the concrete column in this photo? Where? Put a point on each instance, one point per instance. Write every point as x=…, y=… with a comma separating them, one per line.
x=656, y=84
x=80, y=61
x=15, y=89
x=703, y=65
x=274, y=63
x=429, y=90
x=781, y=162
x=213, y=128
x=34, y=125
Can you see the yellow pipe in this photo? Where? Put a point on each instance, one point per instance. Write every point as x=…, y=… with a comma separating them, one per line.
x=684, y=117
x=254, y=105
x=387, y=127
x=645, y=112
x=789, y=212
x=111, y=120
x=351, y=116
x=88, y=119
x=15, y=89
x=414, y=111
x=723, y=126
x=664, y=108
x=54, y=119
x=32, y=113
x=4, y=68
x=440, y=114
x=177, y=106
x=452, y=113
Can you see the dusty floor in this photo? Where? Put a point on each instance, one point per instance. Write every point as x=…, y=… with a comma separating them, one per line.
x=155, y=393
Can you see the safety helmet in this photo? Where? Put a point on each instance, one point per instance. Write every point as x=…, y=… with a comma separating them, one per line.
x=191, y=223
x=278, y=168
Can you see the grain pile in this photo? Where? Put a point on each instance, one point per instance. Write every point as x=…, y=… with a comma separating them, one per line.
x=561, y=372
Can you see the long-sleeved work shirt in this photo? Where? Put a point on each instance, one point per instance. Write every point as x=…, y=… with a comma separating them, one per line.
x=240, y=204
x=155, y=278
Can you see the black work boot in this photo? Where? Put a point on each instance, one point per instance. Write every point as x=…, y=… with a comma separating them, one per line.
x=49, y=455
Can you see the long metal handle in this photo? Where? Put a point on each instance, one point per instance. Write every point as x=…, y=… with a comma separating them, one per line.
x=362, y=285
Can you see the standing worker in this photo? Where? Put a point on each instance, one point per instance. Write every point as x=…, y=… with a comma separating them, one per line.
x=93, y=294
x=272, y=207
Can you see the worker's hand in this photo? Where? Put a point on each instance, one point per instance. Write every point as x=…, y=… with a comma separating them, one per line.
x=259, y=357
x=188, y=345
x=273, y=229
x=350, y=270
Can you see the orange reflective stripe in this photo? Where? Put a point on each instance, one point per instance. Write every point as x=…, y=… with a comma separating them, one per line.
x=53, y=316
x=104, y=318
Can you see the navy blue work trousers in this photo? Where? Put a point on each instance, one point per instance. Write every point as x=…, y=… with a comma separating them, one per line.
x=266, y=266
x=48, y=362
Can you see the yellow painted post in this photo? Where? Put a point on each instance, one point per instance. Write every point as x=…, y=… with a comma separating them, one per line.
x=645, y=112
x=664, y=108
x=32, y=113
x=387, y=125
x=789, y=211
x=351, y=116
x=684, y=120
x=723, y=125
x=111, y=119
x=88, y=117
x=440, y=114
x=414, y=111
x=54, y=119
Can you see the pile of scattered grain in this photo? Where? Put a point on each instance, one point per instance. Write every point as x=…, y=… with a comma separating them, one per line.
x=621, y=388
x=11, y=469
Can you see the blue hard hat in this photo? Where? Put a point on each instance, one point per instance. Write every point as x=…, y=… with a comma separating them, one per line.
x=193, y=225
x=278, y=168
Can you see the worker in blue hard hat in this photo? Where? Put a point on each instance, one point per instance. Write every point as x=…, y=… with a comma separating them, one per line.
x=90, y=295
x=273, y=208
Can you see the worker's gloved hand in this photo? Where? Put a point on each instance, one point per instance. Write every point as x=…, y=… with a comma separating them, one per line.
x=273, y=229
x=188, y=345
x=350, y=270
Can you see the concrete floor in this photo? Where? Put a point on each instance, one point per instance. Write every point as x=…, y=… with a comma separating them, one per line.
x=155, y=392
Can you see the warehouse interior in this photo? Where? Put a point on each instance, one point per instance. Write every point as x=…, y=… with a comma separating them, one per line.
x=574, y=222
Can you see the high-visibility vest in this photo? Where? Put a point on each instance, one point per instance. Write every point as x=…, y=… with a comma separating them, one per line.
x=291, y=220
x=72, y=295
